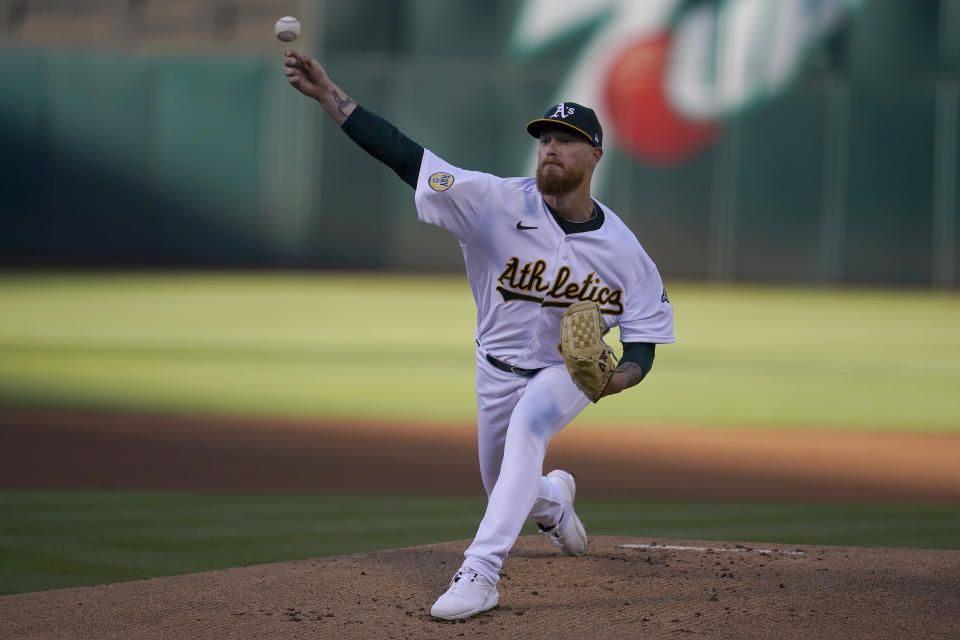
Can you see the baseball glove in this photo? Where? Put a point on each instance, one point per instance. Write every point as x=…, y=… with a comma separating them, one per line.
x=588, y=358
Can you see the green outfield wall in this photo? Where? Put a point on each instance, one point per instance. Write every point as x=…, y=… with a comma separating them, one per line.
x=846, y=171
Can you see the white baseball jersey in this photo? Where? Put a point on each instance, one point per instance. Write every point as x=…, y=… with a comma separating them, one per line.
x=524, y=270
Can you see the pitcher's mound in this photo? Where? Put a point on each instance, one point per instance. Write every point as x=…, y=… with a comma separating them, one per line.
x=625, y=588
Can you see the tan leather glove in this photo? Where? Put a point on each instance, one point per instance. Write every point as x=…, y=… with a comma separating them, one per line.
x=588, y=358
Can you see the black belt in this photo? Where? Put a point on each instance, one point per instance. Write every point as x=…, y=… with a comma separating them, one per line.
x=503, y=366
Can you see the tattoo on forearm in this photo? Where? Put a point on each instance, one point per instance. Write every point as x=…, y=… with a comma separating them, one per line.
x=342, y=101
x=633, y=371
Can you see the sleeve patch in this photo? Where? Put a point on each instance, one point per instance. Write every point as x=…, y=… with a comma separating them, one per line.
x=440, y=181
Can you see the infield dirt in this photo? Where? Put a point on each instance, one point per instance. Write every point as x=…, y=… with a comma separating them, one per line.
x=729, y=591
x=615, y=592
x=107, y=450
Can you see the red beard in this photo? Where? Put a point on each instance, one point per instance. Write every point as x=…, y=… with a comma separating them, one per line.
x=559, y=180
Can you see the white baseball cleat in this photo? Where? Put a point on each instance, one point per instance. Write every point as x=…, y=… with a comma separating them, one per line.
x=469, y=594
x=568, y=533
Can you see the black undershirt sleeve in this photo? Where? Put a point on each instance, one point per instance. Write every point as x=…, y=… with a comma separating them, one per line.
x=639, y=353
x=386, y=143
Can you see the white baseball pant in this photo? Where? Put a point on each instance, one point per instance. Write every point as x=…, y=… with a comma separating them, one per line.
x=517, y=416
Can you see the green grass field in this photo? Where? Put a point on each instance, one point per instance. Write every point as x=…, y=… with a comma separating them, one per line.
x=55, y=539
x=366, y=346
x=400, y=347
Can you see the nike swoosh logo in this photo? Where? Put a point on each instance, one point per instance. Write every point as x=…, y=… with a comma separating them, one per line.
x=523, y=227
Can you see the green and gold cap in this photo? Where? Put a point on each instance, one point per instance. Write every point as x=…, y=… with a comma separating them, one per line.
x=576, y=117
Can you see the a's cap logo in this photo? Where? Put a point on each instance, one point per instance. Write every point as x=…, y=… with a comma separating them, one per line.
x=562, y=111
x=663, y=297
x=441, y=181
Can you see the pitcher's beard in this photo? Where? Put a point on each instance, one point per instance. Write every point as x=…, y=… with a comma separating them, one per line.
x=558, y=183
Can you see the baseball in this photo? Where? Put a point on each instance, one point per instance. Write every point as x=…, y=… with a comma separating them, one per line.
x=287, y=29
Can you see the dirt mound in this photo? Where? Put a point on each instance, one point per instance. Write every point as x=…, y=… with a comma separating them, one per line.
x=655, y=589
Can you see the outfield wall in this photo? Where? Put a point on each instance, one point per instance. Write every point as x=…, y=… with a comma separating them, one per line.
x=848, y=172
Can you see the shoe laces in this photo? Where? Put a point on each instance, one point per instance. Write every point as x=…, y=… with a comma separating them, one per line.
x=464, y=577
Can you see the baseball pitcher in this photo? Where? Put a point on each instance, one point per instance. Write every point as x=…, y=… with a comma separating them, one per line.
x=551, y=270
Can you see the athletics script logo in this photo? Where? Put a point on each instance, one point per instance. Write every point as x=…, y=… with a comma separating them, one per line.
x=523, y=283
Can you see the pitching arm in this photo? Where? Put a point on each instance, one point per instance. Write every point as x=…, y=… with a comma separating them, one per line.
x=386, y=143
x=308, y=76
x=375, y=135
